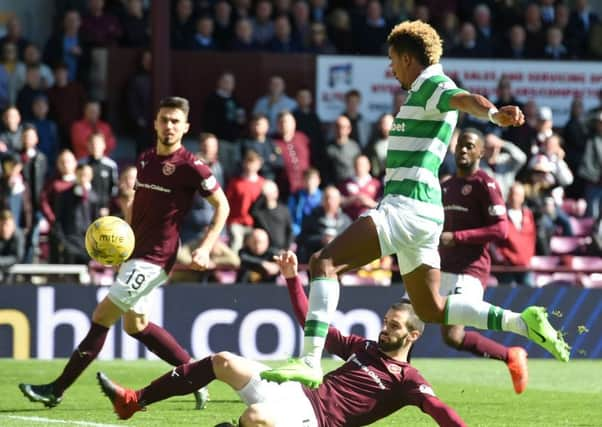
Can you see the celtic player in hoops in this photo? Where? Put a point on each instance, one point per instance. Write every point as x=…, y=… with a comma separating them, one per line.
x=409, y=218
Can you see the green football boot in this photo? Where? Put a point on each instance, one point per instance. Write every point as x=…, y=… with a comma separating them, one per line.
x=541, y=332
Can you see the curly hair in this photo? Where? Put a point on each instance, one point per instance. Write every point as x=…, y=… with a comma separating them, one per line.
x=418, y=39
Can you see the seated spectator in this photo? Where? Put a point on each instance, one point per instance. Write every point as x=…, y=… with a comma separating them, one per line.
x=340, y=32
x=4, y=88
x=486, y=37
x=14, y=35
x=373, y=30
x=202, y=39
x=10, y=136
x=182, y=24
x=46, y=129
x=263, y=26
x=361, y=128
x=209, y=153
x=9, y=64
x=323, y=225
x=504, y=95
x=591, y=169
x=302, y=203
x=341, y=152
x=581, y=22
x=67, y=47
x=274, y=102
x=554, y=153
x=262, y=144
x=515, y=48
x=125, y=191
x=242, y=192
x=223, y=23
x=136, y=28
x=223, y=115
x=272, y=216
x=139, y=103
x=309, y=123
x=536, y=38
x=99, y=28
x=243, y=40
x=319, y=43
x=467, y=46
x=282, y=41
x=104, y=172
x=15, y=194
x=90, y=123
x=76, y=208
x=378, y=145
x=256, y=259
x=519, y=247
x=33, y=58
x=296, y=154
x=502, y=160
x=12, y=243
x=361, y=191
x=302, y=25
x=31, y=90
x=555, y=48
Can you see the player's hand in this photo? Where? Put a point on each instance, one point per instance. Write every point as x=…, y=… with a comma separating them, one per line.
x=288, y=263
x=509, y=115
x=447, y=238
x=200, y=260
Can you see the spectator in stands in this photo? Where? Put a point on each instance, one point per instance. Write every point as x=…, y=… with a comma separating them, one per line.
x=373, y=30
x=544, y=129
x=33, y=58
x=505, y=95
x=202, y=39
x=507, y=14
x=271, y=215
x=4, y=88
x=261, y=143
x=35, y=168
x=15, y=193
x=341, y=152
x=360, y=127
x=519, y=247
x=323, y=225
x=303, y=202
x=448, y=166
x=223, y=23
x=555, y=48
x=581, y=21
x=502, y=160
x=10, y=64
x=515, y=48
x=283, y=7
x=283, y=41
x=591, y=169
x=575, y=136
x=467, y=46
x=10, y=137
x=11, y=243
x=548, y=12
x=486, y=37
x=182, y=24
x=14, y=35
x=125, y=191
x=46, y=129
x=535, y=30
x=296, y=154
x=76, y=208
x=263, y=26
x=136, y=28
x=309, y=123
x=242, y=9
x=139, y=103
x=302, y=25
x=66, y=100
x=32, y=89
x=275, y=101
x=209, y=153
x=318, y=10
x=223, y=115
x=67, y=47
x=319, y=43
x=377, y=147
x=449, y=29
x=361, y=191
x=562, y=14
x=242, y=192
x=552, y=149
x=99, y=28
x=340, y=31
x=256, y=259
x=90, y=123
x=243, y=40
x=104, y=172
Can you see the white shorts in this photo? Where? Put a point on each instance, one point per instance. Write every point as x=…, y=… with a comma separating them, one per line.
x=463, y=284
x=135, y=281
x=402, y=231
x=287, y=403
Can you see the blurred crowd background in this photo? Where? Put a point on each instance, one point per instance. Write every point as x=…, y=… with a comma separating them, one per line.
x=293, y=180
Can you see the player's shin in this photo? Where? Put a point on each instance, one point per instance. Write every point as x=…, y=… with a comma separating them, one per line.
x=323, y=300
x=460, y=310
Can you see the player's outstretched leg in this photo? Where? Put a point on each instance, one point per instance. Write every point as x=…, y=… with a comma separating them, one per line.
x=43, y=393
x=541, y=332
x=124, y=400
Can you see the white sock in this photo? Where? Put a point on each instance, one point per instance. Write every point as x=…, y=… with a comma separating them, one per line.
x=460, y=310
x=323, y=301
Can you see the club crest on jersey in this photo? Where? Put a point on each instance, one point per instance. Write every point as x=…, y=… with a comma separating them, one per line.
x=168, y=168
x=466, y=190
x=394, y=369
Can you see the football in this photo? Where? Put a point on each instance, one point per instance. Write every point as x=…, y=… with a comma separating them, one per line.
x=110, y=240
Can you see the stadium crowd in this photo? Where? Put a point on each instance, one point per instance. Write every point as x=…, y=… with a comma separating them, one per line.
x=292, y=180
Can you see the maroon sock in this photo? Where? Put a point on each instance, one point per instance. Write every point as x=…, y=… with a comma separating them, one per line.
x=163, y=344
x=181, y=380
x=484, y=347
x=84, y=354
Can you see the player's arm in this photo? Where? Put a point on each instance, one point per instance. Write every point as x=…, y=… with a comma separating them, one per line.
x=479, y=106
x=200, y=256
x=444, y=415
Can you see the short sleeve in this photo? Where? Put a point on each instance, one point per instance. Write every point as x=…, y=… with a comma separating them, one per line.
x=446, y=96
x=415, y=387
x=203, y=177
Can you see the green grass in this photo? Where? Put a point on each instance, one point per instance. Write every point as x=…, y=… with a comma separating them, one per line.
x=480, y=391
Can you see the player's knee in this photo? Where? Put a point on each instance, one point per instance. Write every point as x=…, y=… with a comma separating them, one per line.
x=255, y=416
x=452, y=337
x=221, y=362
x=320, y=264
x=429, y=313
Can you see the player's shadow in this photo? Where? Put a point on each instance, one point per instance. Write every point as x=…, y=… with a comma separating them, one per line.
x=18, y=411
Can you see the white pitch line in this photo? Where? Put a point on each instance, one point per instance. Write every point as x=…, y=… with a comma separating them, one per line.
x=57, y=421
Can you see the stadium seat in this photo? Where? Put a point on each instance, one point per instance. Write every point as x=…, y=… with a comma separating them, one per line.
x=582, y=226
x=586, y=263
x=544, y=262
x=566, y=245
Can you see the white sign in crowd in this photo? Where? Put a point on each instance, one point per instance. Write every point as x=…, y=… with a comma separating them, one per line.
x=550, y=83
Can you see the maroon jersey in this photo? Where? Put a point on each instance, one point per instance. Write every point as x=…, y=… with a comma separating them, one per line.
x=475, y=212
x=367, y=387
x=165, y=186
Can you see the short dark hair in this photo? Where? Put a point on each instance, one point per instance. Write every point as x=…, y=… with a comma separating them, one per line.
x=413, y=323
x=352, y=92
x=176, y=102
x=477, y=132
x=6, y=214
x=204, y=136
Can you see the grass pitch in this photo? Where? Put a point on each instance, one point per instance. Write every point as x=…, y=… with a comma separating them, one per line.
x=479, y=390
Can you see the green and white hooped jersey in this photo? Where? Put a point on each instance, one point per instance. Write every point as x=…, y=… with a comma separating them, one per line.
x=418, y=141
